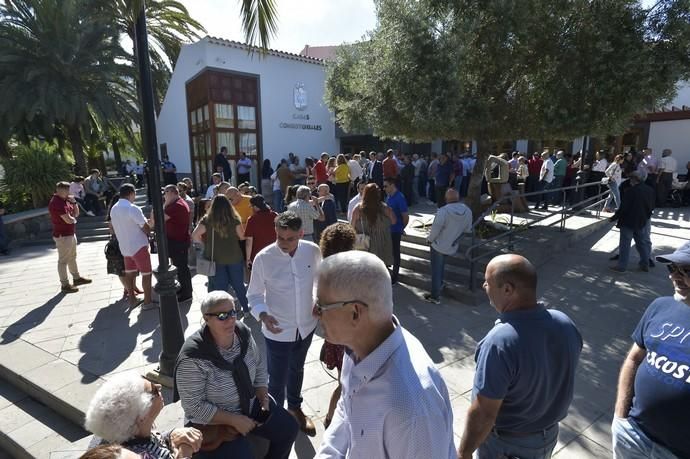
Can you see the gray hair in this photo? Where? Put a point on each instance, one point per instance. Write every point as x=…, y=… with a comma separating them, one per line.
x=115, y=408
x=215, y=298
x=560, y=154
x=342, y=271
x=303, y=192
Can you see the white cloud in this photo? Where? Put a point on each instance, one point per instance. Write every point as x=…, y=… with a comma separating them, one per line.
x=300, y=22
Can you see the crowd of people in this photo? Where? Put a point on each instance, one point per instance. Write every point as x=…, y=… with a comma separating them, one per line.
x=294, y=267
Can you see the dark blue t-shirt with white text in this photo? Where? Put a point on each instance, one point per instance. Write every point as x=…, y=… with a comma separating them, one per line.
x=662, y=383
x=528, y=360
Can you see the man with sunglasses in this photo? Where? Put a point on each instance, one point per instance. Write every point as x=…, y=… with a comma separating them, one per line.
x=654, y=382
x=394, y=402
x=281, y=297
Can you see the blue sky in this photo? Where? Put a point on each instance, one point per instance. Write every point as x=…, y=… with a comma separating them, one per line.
x=301, y=22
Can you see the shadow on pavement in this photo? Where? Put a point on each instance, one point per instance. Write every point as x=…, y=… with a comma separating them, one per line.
x=31, y=320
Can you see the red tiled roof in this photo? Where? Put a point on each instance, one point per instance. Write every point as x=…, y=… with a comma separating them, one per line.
x=272, y=52
x=319, y=52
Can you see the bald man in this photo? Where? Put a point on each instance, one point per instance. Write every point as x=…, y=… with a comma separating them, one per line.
x=450, y=222
x=525, y=373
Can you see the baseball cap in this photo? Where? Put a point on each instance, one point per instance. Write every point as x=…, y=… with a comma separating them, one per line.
x=680, y=257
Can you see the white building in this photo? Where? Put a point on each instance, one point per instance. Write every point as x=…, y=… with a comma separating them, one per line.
x=265, y=105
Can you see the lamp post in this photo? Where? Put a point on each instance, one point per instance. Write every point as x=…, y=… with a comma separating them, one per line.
x=172, y=335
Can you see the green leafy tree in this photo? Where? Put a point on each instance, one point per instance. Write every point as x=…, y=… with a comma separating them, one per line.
x=507, y=69
x=36, y=168
x=61, y=64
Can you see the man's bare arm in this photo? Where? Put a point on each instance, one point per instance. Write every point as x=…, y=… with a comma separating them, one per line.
x=626, y=380
x=481, y=418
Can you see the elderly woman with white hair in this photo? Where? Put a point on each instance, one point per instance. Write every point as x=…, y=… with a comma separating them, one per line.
x=123, y=411
x=221, y=379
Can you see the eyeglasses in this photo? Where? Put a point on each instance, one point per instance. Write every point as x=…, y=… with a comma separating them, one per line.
x=223, y=316
x=682, y=270
x=320, y=308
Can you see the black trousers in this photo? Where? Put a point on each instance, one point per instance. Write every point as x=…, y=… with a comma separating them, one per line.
x=663, y=188
x=341, y=195
x=179, y=256
x=396, y=238
x=241, y=178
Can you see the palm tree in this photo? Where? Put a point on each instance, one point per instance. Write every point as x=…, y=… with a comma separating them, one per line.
x=169, y=24
x=61, y=64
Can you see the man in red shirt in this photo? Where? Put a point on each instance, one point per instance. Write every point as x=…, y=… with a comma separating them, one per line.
x=177, y=235
x=534, y=169
x=261, y=230
x=390, y=166
x=320, y=171
x=63, y=215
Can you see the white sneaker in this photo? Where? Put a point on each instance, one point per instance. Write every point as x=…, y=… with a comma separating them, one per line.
x=149, y=306
x=90, y=214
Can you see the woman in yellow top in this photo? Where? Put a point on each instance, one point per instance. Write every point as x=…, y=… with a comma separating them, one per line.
x=342, y=182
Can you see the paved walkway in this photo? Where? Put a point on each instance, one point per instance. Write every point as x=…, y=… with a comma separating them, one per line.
x=94, y=330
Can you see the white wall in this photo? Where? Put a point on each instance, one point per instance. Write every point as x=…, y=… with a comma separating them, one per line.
x=674, y=135
x=277, y=79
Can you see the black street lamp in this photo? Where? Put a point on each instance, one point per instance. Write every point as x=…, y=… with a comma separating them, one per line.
x=172, y=335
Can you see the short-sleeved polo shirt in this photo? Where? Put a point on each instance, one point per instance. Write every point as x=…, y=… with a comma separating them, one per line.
x=398, y=204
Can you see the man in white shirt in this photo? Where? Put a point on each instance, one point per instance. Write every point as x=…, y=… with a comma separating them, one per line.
x=216, y=178
x=355, y=200
x=132, y=230
x=244, y=166
x=281, y=296
x=545, y=181
x=664, y=181
x=394, y=402
x=451, y=221
x=356, y=170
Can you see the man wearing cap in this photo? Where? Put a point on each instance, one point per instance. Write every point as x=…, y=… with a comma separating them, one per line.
x=650, y=418
x=634, y=222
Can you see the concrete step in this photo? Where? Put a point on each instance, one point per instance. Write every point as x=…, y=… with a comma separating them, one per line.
x=451, y=289
x=423, y=252
x=43, y=400
x=459, y=274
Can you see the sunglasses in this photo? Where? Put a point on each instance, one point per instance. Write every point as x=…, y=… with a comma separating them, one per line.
x=320, y=308
x=682, y=270
x=223, y=316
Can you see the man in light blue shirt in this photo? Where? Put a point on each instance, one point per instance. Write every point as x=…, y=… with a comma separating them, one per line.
x=394, y=403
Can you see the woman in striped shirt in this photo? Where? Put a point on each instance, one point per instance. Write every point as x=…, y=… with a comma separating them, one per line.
x=221, y=379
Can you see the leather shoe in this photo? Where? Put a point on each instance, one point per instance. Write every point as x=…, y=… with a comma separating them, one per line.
x=81, y=281
x=305, y=424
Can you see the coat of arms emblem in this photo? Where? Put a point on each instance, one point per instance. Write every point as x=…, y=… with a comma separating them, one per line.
x=300, y=96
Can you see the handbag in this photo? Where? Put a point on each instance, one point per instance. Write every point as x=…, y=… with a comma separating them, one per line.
x=205, y=266
x=362, y=240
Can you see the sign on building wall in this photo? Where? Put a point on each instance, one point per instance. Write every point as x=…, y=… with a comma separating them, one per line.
x=301, y=102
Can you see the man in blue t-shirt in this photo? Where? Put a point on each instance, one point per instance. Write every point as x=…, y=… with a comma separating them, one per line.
x=396, y=201
x=525, y=373
x=650, y=418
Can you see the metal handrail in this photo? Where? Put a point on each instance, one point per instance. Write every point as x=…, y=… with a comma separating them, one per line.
x=565, y=212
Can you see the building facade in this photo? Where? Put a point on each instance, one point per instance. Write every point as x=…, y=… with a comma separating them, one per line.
x=265, y=105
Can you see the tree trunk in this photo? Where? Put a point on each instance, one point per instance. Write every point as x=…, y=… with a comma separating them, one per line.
x=61, y=147
x=474, y=190
x=116, y=153
x=5, y=149
x=75, y=139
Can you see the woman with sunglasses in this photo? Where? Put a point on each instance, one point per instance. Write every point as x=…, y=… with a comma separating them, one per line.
x=221, y=379
x=123, y=411
x=220, y=232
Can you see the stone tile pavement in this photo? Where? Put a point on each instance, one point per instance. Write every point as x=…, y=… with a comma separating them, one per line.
x=97, y=332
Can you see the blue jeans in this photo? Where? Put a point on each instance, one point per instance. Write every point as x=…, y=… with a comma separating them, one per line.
x=557, y=196
x=537, y=446
x=544, y=197
x=280, y=430
x=642, y=244
x=458, y=184
x=234, y=275
x=278, y=200
x=630, y=442
x=286, y=369
x=615, y=196
x=438, y=263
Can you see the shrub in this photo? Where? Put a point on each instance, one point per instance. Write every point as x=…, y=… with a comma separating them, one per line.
x=34, y=169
